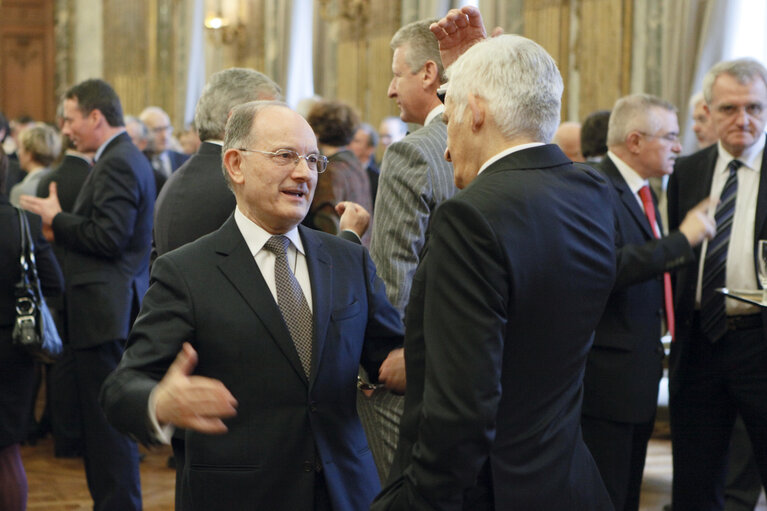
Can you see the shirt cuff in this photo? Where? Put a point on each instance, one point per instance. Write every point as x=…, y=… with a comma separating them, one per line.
x=161, y=434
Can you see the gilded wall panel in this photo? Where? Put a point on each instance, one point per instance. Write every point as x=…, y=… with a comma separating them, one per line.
x=601, y=55
x=129, y=51
x=547, y=22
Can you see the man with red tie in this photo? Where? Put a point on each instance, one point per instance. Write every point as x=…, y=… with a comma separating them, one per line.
x=624, y=364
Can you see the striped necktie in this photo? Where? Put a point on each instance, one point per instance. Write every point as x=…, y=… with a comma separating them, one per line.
x=291, y=301
x=712, y=311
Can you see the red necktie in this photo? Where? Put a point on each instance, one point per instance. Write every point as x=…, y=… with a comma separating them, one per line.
x=649, y=211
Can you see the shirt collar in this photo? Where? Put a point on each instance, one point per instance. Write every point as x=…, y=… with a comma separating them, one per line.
x=434, y=113
x=750, y=157
x=256, y=237
x=103, y=146
x=634, y=181
x=507, y=152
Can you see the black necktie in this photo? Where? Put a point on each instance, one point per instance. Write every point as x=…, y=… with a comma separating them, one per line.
x=291, y=301
x=712, y=311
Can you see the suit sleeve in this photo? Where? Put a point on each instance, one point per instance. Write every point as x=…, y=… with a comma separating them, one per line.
x=384, y=331
x=640, y=262
x=465, y=320
x=401, y=217
x=108, y=229
x=163, y=325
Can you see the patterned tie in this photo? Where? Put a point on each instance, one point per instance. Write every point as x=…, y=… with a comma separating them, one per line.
x=649, y=211
x=292, y=302
x=712, y=311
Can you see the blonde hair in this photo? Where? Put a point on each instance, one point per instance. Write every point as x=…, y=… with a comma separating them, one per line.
x=42, y=143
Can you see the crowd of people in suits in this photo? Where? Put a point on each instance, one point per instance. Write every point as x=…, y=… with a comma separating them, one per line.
x=497, y=347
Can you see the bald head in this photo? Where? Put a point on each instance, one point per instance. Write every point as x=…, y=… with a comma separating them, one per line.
x=568, y=138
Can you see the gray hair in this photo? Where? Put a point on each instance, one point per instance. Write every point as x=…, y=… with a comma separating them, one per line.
x=695, y=99
x=420, y=45
x=744, y=70
x=634, y=113
x=225, y=90
x=520, y=83
x=143, y=131
x=239, y=127
x=371, y=133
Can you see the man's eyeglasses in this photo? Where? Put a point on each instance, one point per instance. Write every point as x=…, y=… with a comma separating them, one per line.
x=284, y=157
x=668, y=137
x=161, y=129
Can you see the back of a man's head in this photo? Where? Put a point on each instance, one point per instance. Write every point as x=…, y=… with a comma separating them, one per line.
x=594, y=134
x=634, y=113
x=421, y=46
x=95, y=94
x=225, y=90
x=519, y=81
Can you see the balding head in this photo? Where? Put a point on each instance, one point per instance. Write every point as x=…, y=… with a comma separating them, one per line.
x=568, y=138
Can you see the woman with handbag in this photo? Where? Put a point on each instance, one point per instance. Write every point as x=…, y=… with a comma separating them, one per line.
x=16, y=365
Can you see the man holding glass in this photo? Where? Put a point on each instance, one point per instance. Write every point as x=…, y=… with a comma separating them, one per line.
x=268, y=323
x=719, y=360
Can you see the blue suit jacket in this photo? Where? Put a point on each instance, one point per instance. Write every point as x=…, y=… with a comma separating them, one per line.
x=211, y=293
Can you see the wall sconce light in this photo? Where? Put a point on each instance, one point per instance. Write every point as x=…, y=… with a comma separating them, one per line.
x=225, y=30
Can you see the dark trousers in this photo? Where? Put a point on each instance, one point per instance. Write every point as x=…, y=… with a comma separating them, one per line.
x=711, y=383
x=743, y=485
x=619, y=450
x=111, y=458
x=13, y=479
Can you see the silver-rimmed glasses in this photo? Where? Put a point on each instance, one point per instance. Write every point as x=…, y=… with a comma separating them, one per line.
x=283, y=157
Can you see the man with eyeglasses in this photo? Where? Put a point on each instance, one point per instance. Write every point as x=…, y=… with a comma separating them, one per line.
x=624, y=366
x=164, y=159
x=251, y=339
x=718, y=365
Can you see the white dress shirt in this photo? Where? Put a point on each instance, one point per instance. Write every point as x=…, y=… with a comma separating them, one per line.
x=740, y=272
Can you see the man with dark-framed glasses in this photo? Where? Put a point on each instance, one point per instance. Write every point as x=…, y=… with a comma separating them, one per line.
x=251, y=338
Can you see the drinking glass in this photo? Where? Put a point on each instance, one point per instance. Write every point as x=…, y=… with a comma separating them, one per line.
x=761, y=257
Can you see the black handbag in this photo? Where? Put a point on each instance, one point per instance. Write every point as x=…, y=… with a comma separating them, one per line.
x=34, y=330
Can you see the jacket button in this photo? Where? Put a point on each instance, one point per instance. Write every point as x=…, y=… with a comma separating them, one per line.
x=308, y=466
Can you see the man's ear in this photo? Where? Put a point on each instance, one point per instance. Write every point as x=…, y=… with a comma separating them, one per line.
x=478, y=108
x=633, y=142
x=430, y=75
x=233, y=162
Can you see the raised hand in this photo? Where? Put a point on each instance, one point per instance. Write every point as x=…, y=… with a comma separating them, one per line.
x=192, y=402
x=458, y=31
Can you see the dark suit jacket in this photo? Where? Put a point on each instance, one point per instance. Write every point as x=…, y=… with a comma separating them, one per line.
x=625, y=363
x=194, y=201
x=107, y=238
x=176, y=159
x=689, y=184
x=17, y=375
x=501, y=317
x=69, y=177
x=211, y=293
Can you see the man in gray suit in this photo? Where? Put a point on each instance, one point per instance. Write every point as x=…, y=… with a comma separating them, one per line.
x=415, y=179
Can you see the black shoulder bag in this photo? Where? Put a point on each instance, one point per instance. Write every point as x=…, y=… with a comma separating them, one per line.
x=34, y=330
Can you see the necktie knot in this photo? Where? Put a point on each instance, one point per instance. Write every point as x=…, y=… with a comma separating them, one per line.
x=278, y=245
x=733, y=166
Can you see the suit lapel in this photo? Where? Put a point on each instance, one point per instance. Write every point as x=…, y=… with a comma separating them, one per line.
x=321, y=277
x=239, y=267
x=628, y=198
x=761, y=208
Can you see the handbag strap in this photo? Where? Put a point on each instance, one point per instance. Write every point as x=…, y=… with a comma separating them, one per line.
x=27, y=257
